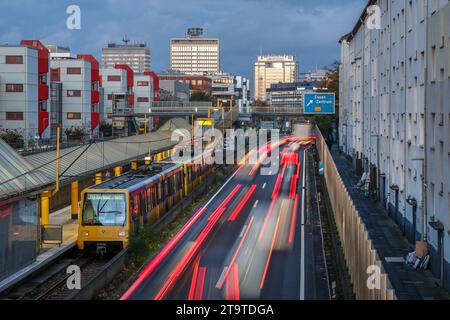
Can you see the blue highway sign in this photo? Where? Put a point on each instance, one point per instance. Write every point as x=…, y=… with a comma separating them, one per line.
x=319, y=103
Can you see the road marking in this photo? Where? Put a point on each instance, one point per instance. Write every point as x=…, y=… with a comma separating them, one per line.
x=302, y=245
x=243, y=231
x=221, y=277
x=224, y=185
x=264, y=185
x=256, y=204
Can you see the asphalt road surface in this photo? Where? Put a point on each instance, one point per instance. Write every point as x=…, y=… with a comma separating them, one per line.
x=248, y=241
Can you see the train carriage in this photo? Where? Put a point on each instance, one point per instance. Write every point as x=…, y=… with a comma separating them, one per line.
x=112, y=211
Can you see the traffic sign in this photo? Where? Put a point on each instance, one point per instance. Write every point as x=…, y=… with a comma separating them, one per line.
x=319, y=103
x=321, y=168
x=204, y=122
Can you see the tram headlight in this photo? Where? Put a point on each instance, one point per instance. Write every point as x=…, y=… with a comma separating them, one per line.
x=86, y=233
x=122, y=233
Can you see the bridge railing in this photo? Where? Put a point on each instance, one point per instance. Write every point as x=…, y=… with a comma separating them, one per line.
x=275, y=109
x=358, y=248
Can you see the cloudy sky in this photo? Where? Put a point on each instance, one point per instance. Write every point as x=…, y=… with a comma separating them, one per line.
x=310, y=29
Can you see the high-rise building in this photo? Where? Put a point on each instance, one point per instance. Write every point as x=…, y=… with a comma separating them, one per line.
x=194, y=54
x=270, y=69
x=136, y=56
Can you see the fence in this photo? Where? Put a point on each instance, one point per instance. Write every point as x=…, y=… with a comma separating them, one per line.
x=358, y=248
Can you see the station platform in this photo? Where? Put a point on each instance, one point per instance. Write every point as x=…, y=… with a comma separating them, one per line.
x=48, y=253
x=392, y=247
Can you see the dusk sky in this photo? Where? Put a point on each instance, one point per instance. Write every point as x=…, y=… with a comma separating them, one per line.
x=309, y=29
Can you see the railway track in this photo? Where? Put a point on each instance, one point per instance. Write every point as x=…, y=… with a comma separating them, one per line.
x=51, y=283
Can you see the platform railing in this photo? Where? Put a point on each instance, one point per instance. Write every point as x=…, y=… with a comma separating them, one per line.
x=52, y=234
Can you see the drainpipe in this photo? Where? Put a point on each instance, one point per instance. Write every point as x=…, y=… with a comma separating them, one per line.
x=424, y=165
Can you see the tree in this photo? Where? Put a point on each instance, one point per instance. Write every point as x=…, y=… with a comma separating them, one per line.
x=106, y=129
x=13, y=138
x=200, y=96
x=331, y=84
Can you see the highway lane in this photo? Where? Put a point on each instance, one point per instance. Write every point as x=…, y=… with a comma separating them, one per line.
x=246, y=242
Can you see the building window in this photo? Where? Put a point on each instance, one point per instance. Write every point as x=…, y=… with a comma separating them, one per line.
x=73, y=70
x=74, y=93
x=73, y=115
x=55, y=75
x=110, y=96
x=113, y=78
x=15, y=116
x=43, y=105
x=142, y=99
x=14, y=87
x=14, y=60
x=142, y=83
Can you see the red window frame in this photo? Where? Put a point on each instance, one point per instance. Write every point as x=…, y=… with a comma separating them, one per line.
x=14, y=87
x=113, y=78
x=73, y=115
x=14, y=59
x=143, y=99
x=55, y=74
x=73, y=70
x=14, y=116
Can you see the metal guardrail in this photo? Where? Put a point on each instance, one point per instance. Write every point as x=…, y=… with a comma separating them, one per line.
x=358, y=248
x=278, y=110
x=52, y=234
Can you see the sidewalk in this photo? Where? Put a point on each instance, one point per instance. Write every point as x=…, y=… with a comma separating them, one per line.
x=389, y=242
x=48, y=253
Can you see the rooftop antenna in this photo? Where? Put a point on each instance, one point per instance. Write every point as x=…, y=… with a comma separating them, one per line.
x=126, y=40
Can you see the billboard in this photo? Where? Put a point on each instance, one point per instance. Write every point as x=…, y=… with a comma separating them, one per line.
x=319, y=103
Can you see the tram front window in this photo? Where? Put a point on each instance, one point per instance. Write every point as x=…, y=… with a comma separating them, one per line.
x=104, y=209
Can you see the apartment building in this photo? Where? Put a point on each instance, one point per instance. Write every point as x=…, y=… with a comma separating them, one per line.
x=75, y=77
x=395, y=116
x=243, y=94
x=223, y=86
x=143, y=93
x=24, y=91
x=197, y=83
x=116, y=86
x=270, y=69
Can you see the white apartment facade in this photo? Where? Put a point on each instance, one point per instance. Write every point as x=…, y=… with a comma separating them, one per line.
x=143, y=93
x=243, y=94
x=271, y=69
x=24, y=91
x=75, y=76
x=395, y=116
x=114, y=82
x=195, y=55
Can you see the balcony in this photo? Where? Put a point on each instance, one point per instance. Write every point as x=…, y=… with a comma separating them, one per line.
x=43, y=92
x=95, y=97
